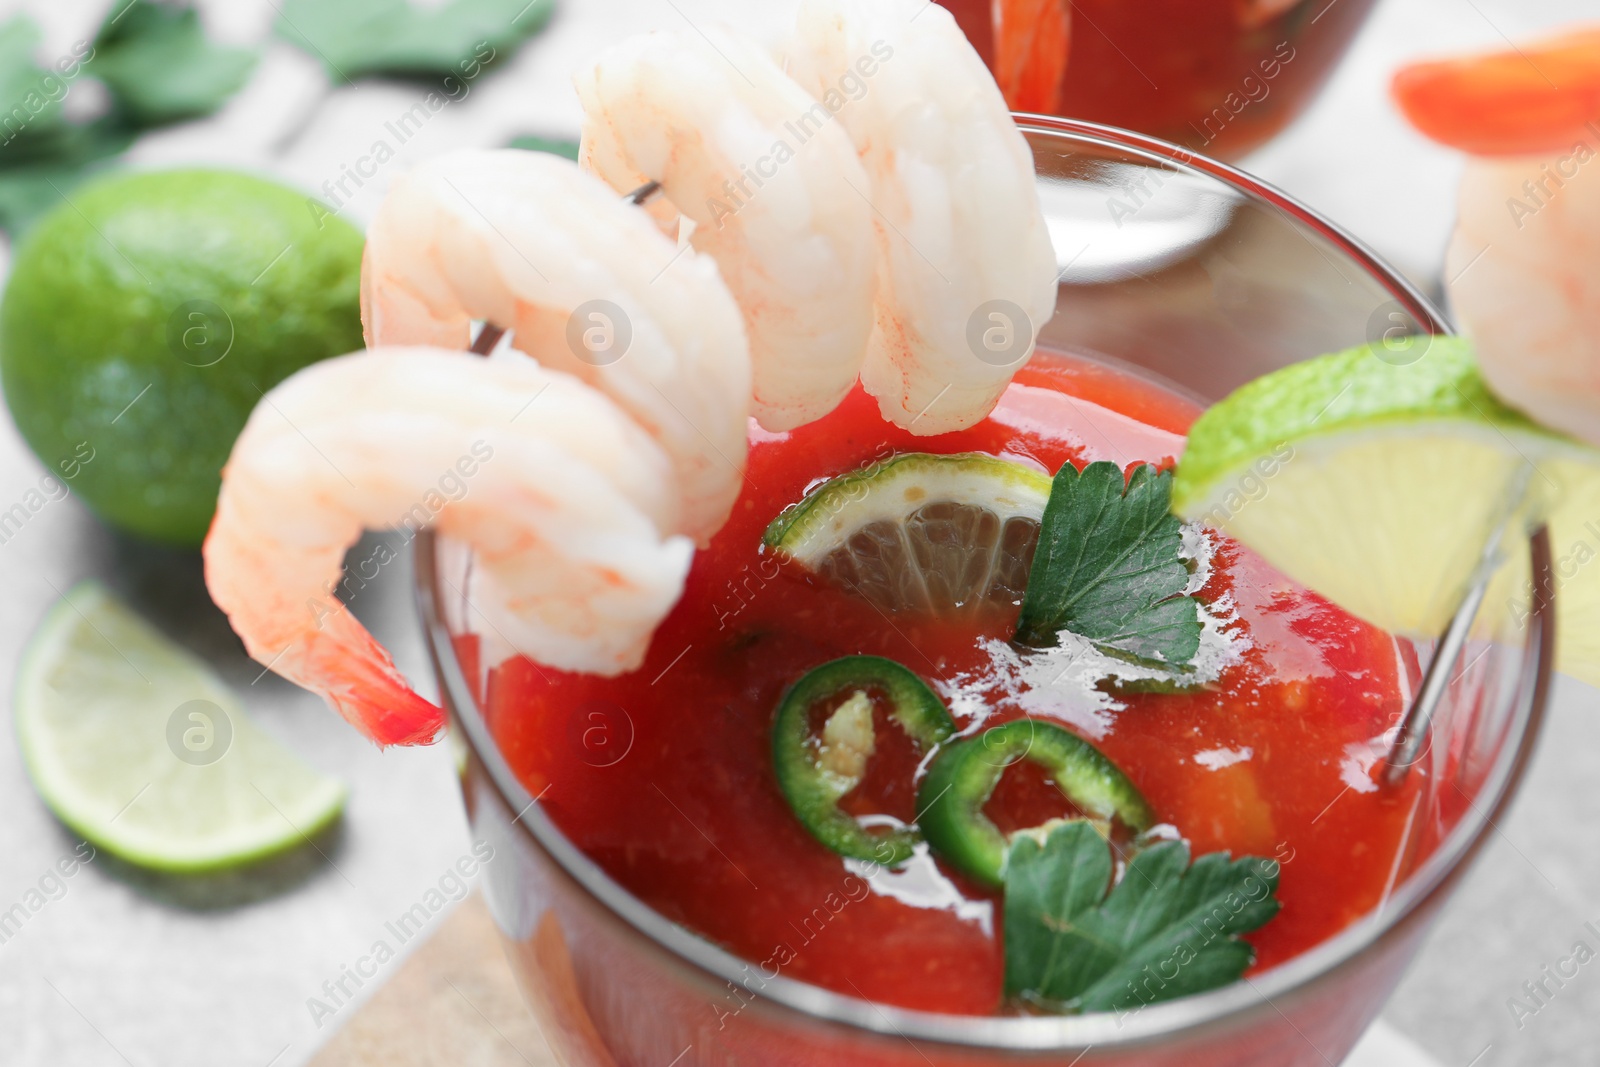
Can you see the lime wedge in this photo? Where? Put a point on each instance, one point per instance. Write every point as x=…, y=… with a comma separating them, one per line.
x=137, y=746
x=1376, y=476
x=920, y=532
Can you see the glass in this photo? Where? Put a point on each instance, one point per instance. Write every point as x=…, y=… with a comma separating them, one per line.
x=1219, y=76
x=1175, y=267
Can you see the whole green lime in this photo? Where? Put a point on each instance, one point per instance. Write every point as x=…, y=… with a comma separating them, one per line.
x=146, y=317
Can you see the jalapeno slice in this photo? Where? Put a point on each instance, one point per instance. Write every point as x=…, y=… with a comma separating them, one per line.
x=815, y=772
x=965, y=773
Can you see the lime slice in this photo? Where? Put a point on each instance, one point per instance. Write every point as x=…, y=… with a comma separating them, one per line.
x=920, y=532
x=137, y=746
x=1376, y=476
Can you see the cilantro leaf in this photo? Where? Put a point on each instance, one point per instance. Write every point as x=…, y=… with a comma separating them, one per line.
x=1166, y=930
x=160, y=67
x=1108, y=567
x=359, y=37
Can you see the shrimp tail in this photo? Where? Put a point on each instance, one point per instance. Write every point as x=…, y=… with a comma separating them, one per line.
x=568, y=513
x=363, y=685
x=334, y=657
x=1532, y=100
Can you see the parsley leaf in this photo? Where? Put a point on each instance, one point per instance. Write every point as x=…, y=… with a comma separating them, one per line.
x=160, y=67
x=359, y=37
x=1166, y=930
x=1108, y=567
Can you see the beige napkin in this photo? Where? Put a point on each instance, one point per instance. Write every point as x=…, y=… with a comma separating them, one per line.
x=452, y=1002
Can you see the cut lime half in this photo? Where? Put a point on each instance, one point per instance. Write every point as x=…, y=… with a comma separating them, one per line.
x=921, y=532
x=1376, y=476
x=136, y=745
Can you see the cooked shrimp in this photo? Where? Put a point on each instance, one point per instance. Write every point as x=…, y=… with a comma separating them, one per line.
x=589, y=286
x=1524, y=263
x=776, y=197
x=967, y=272
x=567, y=504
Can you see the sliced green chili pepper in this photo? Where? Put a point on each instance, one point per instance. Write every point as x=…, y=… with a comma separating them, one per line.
x=814, y=773
x=964, y=775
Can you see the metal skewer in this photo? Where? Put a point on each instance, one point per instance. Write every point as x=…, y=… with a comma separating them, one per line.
x=644, y=192
x=490, y=334
x=487, y=338
x=1417, y=724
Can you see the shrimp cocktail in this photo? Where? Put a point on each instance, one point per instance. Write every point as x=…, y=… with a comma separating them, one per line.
x=858, y=664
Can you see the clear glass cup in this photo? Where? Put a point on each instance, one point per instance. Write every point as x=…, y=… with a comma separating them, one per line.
x=1176, y=267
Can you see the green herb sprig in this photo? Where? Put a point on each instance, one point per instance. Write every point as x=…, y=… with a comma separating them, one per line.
x=158, y=66
x=355, y=38
x=1074, y=942
x=1108, y=567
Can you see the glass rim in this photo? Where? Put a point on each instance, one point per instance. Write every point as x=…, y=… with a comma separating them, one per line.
x=1067, y=1033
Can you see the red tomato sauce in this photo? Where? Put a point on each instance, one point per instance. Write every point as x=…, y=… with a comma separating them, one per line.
x=664, y=776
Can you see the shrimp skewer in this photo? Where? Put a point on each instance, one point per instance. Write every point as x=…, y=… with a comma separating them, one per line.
x=598, y=462
x=967, y=272
x=589, y=286
x=778, y=200
x=567, y=504
x=1524, y=262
